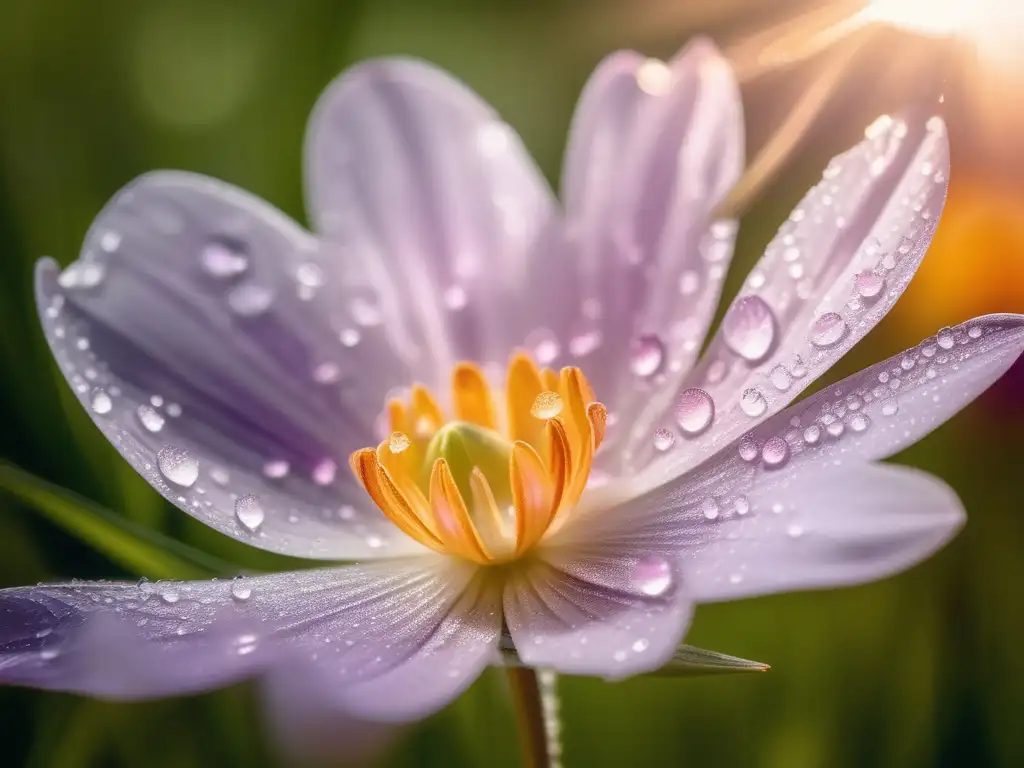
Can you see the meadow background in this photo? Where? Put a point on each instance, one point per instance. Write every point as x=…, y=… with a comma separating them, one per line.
x=924, y=669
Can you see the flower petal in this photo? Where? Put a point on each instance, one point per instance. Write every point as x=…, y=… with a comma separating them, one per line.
x=832, y=528
x=359, y=625
x=218, y=347
x=596, y=613
x=654, y=147
x=745, y=489
x=836, y=267
x=412, y=171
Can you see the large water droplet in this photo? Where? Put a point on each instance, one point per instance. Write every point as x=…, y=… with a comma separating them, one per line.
x=749, y=328
x=828, y=329
x=695, y=410
x=647, y=354
x=249, y=512
x=774, y=452
x=752, y=403
x=101, y=402
x=224, y=258
x=652, y=575
x=177, y=465
x=250, y=300
x=149, y=418
x=547, y=405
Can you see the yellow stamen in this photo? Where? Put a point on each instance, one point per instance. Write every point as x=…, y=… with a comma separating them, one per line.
x=466, y=487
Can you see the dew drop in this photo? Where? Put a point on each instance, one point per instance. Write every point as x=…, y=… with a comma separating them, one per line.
x=695, y=410
x=749, y=328
x=859, y=422
x=774, y=452
x=101, y=402
x=249, y=512
x=240, y=590
x=709, y=508
x=647, y=354
x=398, y=442
x=828, y=329
x=547, y=405
x=173, y=410
x=907, y=362
x=944, y=338
x=868, y=285
x=654, y=77
x=748, y=449
x=780, y=378
x=890, y=408
x=178, y=465
x=223, y=258
x=752, y=403
x=220, y=476
x=170, y=597
x=812, y=434
x=974, y=332
x=835, y=428
x=250, y=300
x=276, y=469
x=349, y=337
x=82, y=275
x=641, y=645
x=689, y=282
x=741, y=505
x=149, y=418
x=664, y=439
x=325, y=472
x=652, y=575
x=309, y=275
x=794, y=530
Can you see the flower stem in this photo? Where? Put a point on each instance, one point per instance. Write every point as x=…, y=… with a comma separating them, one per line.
x=536, y=704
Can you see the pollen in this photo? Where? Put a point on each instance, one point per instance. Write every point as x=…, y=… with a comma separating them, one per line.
x=488, y=480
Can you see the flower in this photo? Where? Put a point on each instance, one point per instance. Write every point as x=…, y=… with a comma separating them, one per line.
x=570, y=475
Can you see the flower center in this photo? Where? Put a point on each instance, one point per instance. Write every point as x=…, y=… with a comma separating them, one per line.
x=487, y=484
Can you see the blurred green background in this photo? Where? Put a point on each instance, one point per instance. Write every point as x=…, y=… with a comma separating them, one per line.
x=921, y=670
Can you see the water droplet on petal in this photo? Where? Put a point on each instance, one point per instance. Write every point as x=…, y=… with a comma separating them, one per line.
x=945, y=338
x=774, y=452
x=240, y=590
x=276, y=469
x=349, y=337
x=223, y=258
x=652, y=575
x=780, y=378
x=752, y=403
x=695, y=410
x=748, y=449
x=828, y=329
x=219, y=475
x=890, y=408
x=868, y=285
x=178, y=465
x=250, y=300
x=664, y=439
x=709, y=508
x=639, y=646
x=647, y=354
x=794, y=530
x=812, y=434
x=398, y=442
x=974, y=332
x=325, y=472
x=149, y=418
x=170, y=597
x=859, y=422
x=249, y=512
x=309, y=275
x=749, y=328
x=654, y=77
x=82, y=275
x=547, y=405
x=101, y=402
x=741, y=505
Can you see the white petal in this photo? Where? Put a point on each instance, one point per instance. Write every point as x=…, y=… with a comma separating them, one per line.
x=828, y=528
x=837, y=266
x=213, y=342
x=412, y=171
x=599, y=613
x=361, y=627
x=654, y=147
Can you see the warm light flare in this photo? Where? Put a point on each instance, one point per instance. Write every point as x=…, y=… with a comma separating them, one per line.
x=930, y=17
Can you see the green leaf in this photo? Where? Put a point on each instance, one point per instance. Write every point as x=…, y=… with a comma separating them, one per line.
x=143, y=551
x=687, y=661
x=690, y=661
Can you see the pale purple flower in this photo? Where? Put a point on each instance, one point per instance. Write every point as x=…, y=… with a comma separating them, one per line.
x=238, y=361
